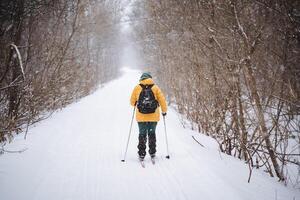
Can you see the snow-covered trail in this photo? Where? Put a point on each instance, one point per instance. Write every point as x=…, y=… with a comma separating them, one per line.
x=76, y=154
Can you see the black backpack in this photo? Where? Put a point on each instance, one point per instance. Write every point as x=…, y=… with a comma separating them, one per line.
x=147, y=102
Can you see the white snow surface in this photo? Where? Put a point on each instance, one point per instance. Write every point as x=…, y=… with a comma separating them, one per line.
x=76, y=155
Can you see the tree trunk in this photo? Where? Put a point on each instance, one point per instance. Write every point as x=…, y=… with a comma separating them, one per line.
x=261, y=118
x=16, y=38
x=243, y=137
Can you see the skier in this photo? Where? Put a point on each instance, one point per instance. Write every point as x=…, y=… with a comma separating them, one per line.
x=148, y=98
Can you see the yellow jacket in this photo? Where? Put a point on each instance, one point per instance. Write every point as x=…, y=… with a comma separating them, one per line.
x=159, y=96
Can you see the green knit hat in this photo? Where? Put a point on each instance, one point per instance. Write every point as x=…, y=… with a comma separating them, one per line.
x=145, y=76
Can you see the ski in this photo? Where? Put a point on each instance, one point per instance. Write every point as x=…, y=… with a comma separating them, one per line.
x=153, y=161
x=142, y=163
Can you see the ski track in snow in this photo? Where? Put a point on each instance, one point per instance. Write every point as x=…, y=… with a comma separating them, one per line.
x=76, y=153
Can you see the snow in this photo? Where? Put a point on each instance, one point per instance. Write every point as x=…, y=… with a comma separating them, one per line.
x=77, y=152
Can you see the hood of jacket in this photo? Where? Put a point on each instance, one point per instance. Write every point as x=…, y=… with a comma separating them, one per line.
x=148, y=81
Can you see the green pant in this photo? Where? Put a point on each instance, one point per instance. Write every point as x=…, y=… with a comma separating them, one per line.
x=147, y=129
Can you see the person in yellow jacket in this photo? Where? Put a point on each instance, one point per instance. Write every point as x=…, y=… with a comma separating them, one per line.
x=147, y=122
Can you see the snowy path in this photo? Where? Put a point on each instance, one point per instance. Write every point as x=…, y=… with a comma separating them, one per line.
x=76, y=154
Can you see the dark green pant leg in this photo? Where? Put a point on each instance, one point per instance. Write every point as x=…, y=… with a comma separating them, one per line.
x=143, y=127
x=151, y=127
x=147, y=128
x=152, y=137
x=142, y=139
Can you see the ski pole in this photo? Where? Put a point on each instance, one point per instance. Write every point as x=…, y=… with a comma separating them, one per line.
x=168, y=156
x=129, y=134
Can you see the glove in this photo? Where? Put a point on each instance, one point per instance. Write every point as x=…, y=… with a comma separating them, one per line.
x=164, y=114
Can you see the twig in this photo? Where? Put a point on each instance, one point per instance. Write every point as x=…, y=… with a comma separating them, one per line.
x=220, y=154
x=9, y=86
x=241, y=29
x=250, y=172
x=197, y=141
x=2, y=150
x=27, y=126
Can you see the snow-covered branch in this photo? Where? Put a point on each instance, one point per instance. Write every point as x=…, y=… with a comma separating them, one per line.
x=19, y=58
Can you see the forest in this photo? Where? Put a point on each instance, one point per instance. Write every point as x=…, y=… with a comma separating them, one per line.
x=232, y=69
x=53, y=52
